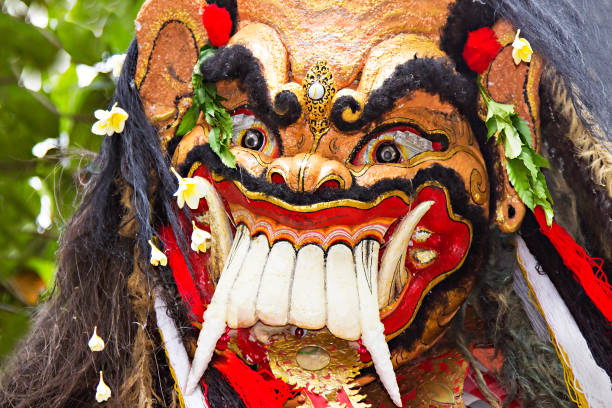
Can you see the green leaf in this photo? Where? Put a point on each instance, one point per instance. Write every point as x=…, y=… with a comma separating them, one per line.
x=518, y=174
x=498, y=109
x=213, y=140
x=227, y=157
x=512, y=142
x=523, y=129
x=190, y=118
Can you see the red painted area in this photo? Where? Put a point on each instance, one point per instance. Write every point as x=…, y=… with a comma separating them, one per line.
x=196, y=293
x=451, y=239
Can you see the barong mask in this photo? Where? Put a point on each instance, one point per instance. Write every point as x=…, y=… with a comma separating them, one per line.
x=352, y=227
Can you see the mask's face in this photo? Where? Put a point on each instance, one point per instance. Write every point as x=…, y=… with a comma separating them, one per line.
x=338, y=229
x=359, y=191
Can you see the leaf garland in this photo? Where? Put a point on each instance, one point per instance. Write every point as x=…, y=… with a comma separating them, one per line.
x=523, y=163
x=207, y=101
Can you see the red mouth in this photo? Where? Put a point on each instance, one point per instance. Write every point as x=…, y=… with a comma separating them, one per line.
x=439, y=246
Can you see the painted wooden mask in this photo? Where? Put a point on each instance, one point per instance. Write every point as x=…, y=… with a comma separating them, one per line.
x=355, y=221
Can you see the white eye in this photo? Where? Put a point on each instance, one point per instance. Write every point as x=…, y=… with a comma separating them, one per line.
x=251, y=133
x=396, y=145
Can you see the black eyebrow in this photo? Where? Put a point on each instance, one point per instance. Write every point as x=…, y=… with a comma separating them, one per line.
x=237, y=62
x=434, y=76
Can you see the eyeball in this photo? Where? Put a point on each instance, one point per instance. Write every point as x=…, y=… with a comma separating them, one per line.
x=396, y=145
x=387, y=153
x=251, y=133
x=253, y=139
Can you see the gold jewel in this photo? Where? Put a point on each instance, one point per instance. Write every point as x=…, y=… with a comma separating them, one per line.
x=319, y=361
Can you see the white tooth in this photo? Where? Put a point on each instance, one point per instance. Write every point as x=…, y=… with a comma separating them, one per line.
x=342, y=296
x=220, y=229
x=366, y=267
x=214, y=324
x=308, y=293
x=393, y=260
x=241, y=306
x=273, y=299
x=378, y=348
x=373, y=337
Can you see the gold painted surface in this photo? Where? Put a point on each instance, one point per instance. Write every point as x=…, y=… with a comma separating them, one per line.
x=344, y=363
x=435, y=382
x=319, y=109
x=341, y=31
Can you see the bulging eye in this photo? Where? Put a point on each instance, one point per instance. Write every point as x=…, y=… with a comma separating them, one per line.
x=396, y=145
x=253, y=139
x=387, y=153
x=251, y=133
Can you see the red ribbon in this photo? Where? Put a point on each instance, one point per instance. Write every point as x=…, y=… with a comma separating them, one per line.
x=257, y=389
x=587, y=271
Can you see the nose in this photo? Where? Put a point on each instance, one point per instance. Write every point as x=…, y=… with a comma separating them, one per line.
x=307, y=172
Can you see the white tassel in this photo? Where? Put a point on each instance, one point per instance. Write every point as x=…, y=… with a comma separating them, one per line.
x=177, y=355
x=589, y=379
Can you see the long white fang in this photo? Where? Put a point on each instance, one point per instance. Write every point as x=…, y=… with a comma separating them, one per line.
x=342, y=296
x=241, y=306
x=392, y=263
x=220, y=228
x=273, y=299
x=308, y=294
x=214, y=324
x=372, y=336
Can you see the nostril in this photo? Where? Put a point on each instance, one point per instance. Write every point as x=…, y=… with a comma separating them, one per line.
x=333, y=184
x=277, y=178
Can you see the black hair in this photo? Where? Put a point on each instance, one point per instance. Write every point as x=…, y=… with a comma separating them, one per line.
x=237, y=62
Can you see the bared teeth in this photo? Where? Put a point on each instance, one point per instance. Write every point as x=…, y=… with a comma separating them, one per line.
x=214, y=323
x=343, y=290
x=274, y=291
x=241, y=306
x=373, y=336
x=308, y=305
x=220, y=227
x=393, y=274
x=342, y=296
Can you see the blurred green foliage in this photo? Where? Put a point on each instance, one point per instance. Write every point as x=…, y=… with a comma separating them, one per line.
x=49, y=52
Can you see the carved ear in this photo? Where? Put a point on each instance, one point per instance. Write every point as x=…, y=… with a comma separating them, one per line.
x=518, y=85
x=169, y=36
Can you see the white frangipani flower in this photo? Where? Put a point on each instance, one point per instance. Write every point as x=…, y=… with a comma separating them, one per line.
x=190, y=190
x=95, y=342
x=103, y=392
x=109, y=122
x=521, y=49
x=200, y=239
x=157, y=256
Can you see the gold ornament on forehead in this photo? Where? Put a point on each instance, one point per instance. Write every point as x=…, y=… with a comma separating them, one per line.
x=319, y=90
x=319, y=362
